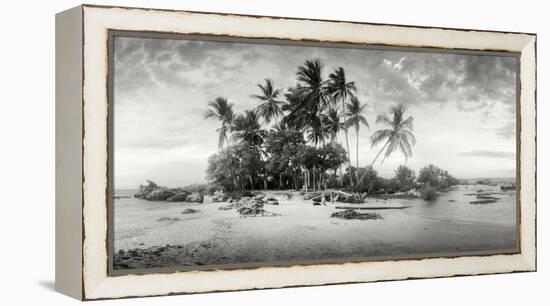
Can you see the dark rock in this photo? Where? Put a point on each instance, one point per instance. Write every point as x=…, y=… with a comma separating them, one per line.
x=160, y=194
x=178, y=197
x=194, y=197
x=144, y=190
x=189, y=211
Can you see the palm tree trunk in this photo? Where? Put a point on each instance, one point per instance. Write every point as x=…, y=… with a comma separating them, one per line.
x=280, y=181
x=372, y=164
x=357, y=155
x=347, y=141
x=313, y=174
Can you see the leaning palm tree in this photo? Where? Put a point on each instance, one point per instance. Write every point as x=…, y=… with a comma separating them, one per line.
x=222, y=110
x=398, y=136
x=354, y=112
x=340, y=89
x=270, y=107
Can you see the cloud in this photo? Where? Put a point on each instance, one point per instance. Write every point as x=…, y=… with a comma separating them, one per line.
x=490, y=154
x=142, y=63
x=162, y=87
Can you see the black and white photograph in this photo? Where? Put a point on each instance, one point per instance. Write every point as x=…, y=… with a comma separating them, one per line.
x=237, y=153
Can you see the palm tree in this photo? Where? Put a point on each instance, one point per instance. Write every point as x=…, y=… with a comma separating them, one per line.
x=222, y=110
x=270, y=107
x=247, y=128
x=333, y=124
x=317, y=131
x=340, y=89
x=354, y=110
x=312, y=99
x=398, y=136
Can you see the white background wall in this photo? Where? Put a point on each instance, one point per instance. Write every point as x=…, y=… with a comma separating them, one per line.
x=27, y=153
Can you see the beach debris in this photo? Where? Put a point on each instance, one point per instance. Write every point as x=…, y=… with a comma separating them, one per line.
x=335, y=196
x=316, y=203
x=452, y=200
x=350, y=214
x=271, y=201
x=216, y=197
x=483, y=202
x=255, y=211
x=344, y=197
x=250, y=207
x=233, y=205
x=178, y=197
x=219, y=196
x=189, y=211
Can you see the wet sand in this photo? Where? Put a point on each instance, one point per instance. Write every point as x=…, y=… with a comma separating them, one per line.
x=159, y=235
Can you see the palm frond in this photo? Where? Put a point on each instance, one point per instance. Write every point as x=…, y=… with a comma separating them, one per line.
x=380, y=136
x=408, y=123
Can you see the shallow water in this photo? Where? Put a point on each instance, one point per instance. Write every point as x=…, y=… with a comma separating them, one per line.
x=302, y=232
x=454, y=205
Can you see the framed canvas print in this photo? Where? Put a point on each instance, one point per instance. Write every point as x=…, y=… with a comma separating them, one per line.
x=201, y=152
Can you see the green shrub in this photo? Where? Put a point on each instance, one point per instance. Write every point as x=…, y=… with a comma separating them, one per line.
x=428, y=193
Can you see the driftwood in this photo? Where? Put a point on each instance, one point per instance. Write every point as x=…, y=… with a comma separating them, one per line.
x=334, y=195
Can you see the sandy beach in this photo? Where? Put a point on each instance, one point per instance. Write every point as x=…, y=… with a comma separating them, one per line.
x=153, y=234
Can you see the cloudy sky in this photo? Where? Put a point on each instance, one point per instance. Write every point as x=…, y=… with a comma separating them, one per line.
x=463, y=105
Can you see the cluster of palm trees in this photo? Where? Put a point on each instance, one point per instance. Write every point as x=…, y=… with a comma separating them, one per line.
x=319, y=109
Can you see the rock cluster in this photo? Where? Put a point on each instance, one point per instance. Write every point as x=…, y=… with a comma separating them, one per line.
x=169, y=195
x=178, y=197
x=160, y=194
